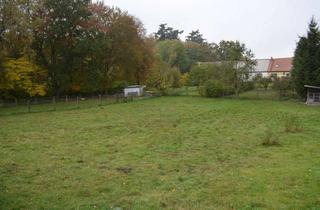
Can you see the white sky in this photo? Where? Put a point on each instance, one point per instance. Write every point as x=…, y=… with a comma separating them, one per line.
x=268, y=27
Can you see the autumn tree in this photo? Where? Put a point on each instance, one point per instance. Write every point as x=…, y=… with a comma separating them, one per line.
x=22, y=78
x=121, y=51
x=58, y=27
x=19, y=76
x=15, y=35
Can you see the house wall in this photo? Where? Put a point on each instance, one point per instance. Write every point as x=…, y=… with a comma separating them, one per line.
x=279, y=74
x=262, y=65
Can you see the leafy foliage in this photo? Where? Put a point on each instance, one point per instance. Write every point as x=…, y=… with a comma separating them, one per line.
x=15, y=33
x=283, y=86
x=85, y=46
x=173, y=53
x=21, y=77
x=213, y=89
x=198, y=52
x=163, y=77
x=263, y=82
x=238, y=59
x=232, y=68
x=88, y=47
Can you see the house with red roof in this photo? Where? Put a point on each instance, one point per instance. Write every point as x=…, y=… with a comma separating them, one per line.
x=272, y=67
x=280, y=67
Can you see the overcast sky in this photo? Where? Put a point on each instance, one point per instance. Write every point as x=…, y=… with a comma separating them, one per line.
x=268, y=27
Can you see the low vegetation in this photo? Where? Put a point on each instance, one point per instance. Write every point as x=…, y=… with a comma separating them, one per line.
x=270, y=138
x=293, y=125
x=162, y=153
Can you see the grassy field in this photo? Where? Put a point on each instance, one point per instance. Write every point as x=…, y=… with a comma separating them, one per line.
x=162, y=153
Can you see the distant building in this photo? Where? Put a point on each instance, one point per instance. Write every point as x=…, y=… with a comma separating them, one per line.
x=261, y=67
x=134, y=90
x=276, y=67
x=273, y=67
x=280, y=67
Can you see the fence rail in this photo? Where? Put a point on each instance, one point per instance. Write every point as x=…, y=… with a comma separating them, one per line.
x=45, y=104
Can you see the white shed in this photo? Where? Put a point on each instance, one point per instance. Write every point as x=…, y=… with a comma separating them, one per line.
x=313, y=95
x=134, y=90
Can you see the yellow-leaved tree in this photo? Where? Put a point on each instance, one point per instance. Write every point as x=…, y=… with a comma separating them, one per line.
x=20, y=77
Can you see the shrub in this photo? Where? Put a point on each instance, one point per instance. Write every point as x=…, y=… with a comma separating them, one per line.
x=270, y=139
x=202, y=91
x=293, y=125
x=247, y=86
x=213, y=89
x=117, y=86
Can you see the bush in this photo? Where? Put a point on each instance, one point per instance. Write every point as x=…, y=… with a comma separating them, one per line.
x=214, y=89
x=202, y=91
x=247, y=86
x=117, y=87
x=270, y=139
x=211, y=88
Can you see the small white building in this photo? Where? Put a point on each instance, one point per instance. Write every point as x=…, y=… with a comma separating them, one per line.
x=134, y=90
x=313, y=95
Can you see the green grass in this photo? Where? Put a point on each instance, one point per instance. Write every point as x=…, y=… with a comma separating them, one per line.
x=162, y=153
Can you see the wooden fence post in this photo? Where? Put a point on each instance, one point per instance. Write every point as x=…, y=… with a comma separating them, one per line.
x=100, y=100
x=29, y=105
x=67, y=99
x=54, y=103
x=78, y=102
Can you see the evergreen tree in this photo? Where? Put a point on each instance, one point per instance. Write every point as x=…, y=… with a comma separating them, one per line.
x=306, y=64
x=195, y=36
x=167, y=33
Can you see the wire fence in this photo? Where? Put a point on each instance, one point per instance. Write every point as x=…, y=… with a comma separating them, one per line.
x=46, y=104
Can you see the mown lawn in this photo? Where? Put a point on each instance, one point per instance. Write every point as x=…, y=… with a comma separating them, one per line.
x=162, y=153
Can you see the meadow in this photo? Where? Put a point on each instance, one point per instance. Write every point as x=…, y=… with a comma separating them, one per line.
x=182, y=152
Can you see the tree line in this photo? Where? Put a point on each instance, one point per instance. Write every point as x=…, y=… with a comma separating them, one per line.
x=54, y=47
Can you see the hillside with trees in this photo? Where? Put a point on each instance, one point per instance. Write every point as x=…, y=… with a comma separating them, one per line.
x=55, y=48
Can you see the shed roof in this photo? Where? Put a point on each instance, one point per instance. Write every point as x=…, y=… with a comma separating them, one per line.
x=313, y=87
x=135, y=86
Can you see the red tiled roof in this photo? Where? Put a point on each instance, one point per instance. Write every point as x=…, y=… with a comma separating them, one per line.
x=280, y=65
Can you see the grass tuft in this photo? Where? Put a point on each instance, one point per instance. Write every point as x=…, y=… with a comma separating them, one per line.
x=293, y=125
x=270, y=139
